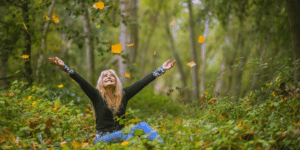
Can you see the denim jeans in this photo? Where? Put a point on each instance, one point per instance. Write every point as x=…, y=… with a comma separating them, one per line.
x=120, y=136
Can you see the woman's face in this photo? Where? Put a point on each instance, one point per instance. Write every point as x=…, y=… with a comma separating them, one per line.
x=108, y=80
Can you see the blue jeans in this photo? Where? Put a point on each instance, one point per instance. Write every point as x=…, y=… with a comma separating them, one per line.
x=120, y=136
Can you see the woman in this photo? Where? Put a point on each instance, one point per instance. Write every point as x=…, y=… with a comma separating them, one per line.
x=110, y=100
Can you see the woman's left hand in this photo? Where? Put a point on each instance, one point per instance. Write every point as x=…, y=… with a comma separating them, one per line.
x=168, y=65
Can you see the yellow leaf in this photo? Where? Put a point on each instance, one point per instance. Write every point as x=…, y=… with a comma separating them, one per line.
x=248, y=108
x=47, y=18
x=117, y=48
x=12, y=137
x=33, y=103
x=50, y=149
x=98, y=5
x=85, y=144
x=262, y=88
x=201, y=39
x=251, y=132
x=130, y=44
x=277, y=79
x=126, y=113
x=60, y=86
x=88, y=115
x=98, y=26
x=24, y=25
x=127, y=75
x=191, y=64
x=240, y=124
x=154, y=53
x=54, y=17
x=2, y=138
x=24, y=145
x=25, y=56
x=76, y=144
x=124, y=143
x=213, y=111
x=273, y=94
x=205, y=92
x=271, y=103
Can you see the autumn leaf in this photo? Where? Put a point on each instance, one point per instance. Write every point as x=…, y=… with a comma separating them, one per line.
x=191, y=64
x=54, y=17
x=273, y=94
x=47, y=17
x=131, y=44
x=124, y=143
x=117, y=48
x=127, y=75
x=251, y=132
x=29, y=97
x=240, y=124
x=33, y=104
x=271, y=103
x=154, y=53
x=25, y=56
x=50, y=148
x=201, y=39
x=85, y=144
x=60, y=86
x=25, y=26
x=205, y=92
x=98, y=26
x=76, y=144
x=98, y=5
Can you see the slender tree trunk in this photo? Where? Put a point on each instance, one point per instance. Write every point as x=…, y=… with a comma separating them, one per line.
x=124, y=38
x=261, y=61
x=27, y=49
x=293, y=8
x=89, y=44
x=203, y=61
x=195, y=85
x=219, y=83
x=174, y=51
x=145, y=46
x=44, y=46
x=133, y=34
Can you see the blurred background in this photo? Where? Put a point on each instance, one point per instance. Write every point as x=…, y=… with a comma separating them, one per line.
x=221, y=47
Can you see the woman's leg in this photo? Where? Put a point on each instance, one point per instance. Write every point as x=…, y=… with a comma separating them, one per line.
x=147, y=130
x=114, y=137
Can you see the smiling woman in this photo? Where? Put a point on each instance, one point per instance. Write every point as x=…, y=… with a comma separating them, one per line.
x=110, y=100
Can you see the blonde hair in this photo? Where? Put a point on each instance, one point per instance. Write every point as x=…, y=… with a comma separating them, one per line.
x=118, y=91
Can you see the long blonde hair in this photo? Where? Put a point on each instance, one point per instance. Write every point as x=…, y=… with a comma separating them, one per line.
x=118, y=91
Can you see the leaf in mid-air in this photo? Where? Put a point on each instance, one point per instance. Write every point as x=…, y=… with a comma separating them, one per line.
x=25, y=56
x=173, y=22
x=47, y=18
x=117, y=48
x=98, y=5
x=54, y=17
x=127, y=75
x=130, y=44
x=201, y=39
x=191, y=64
x=154, y=53
x=24, y=25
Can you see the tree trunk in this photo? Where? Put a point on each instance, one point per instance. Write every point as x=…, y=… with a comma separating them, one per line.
x=221, y=78
x=145, y=46
x=89, y=44
x=293, y=7
x=195, y=85
x=261, y=60
x=203, y=61
x=44, y=46
x=174, y=51
x=27, y=49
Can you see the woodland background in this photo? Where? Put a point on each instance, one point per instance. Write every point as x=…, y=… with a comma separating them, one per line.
x=236, y=60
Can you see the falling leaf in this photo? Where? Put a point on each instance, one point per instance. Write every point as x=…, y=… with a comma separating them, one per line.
x=25, y=56
x=117, y=48
x=201, y=39
x=131, y=44
x=127, y=75
x=98, y=26
x=54, y=17
x=248, y=108
x=240, y=124
x=271, y=103
x=98, y=5
x=154, y=53
x=25, y=26
x=60, y=86
x=33, y=103
x=29, y=97
x=173, y=22
x=47, y=18
x=191, y=64
x=124, y=143
x=205, y=92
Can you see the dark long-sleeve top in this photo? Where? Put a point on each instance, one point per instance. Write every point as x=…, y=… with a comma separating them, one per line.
x=104, y=116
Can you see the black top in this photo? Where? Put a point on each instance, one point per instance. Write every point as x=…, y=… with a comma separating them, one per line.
x=104, y=116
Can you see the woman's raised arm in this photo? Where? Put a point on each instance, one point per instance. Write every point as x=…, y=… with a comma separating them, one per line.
x=88, y=89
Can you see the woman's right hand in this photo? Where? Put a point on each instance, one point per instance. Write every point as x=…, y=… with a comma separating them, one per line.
x=58, y=62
